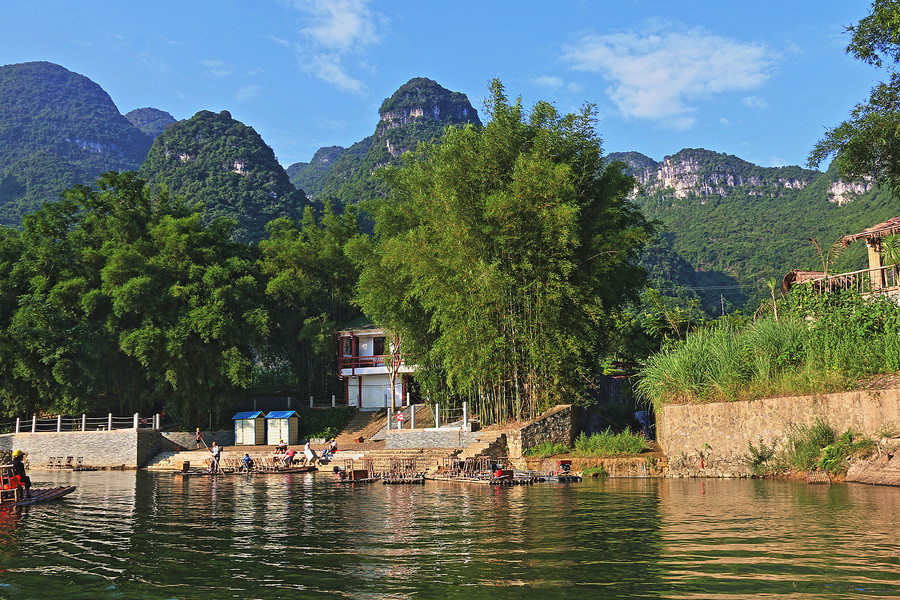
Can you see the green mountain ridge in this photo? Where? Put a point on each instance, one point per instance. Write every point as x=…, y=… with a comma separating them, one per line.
x=214, y=160
x=151, y=121
x=58, y=128
x=739, y=222
x=418, y=111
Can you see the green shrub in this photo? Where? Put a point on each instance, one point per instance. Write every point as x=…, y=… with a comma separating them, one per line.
x=805, y=444
x=324, y=422
x=546, y=449
x=607, y=443
x=761, y=460
x=595, y=471
x=835, y=457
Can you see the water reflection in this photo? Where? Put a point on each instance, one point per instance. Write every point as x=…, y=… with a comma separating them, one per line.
x=144, y=535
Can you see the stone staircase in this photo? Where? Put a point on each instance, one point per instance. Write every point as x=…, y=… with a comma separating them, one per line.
x=363, y=425
x=492, y=444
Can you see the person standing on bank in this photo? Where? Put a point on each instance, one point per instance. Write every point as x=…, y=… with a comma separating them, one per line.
x=200, y=441
x=19, y=469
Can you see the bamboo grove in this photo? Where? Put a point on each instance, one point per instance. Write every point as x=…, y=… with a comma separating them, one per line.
x=502, y=258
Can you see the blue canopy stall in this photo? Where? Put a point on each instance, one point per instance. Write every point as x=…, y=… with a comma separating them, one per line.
x=283, y=425
x=249, y=428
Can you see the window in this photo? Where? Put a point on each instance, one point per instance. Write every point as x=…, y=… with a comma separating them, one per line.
x=348, y=346
x=378, y=346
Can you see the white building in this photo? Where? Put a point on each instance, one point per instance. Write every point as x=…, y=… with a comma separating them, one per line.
x=364, y=363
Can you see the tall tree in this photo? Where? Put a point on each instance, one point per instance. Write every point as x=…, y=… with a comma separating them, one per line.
x=126, y=302
x=503, y=255
x=308, y=294
x=868, y=144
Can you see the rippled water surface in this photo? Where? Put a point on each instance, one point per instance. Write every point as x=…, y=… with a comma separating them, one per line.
x=144, y=535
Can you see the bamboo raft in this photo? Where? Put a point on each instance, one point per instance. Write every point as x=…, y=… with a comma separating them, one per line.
x=352, y=472
x=403, y=471
x=12, y=491
x=40, y=495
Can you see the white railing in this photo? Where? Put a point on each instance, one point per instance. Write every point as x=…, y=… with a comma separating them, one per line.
x=866, y=281
x=61, y=424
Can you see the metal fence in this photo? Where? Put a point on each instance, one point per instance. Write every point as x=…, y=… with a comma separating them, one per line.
x=61, y=424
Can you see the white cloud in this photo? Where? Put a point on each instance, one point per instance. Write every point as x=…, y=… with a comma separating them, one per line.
x=548, y=81
x=217, y=68
x=662, y=72
x=756, y=102
x=248, y=92
x=556, y=83
x=338, y=32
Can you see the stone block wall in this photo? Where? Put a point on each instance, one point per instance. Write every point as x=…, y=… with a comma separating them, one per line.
x=711, y=440
x=559, y=425
x=444, y=437
x=171, y=440
x=111, y=449
x=119, y=448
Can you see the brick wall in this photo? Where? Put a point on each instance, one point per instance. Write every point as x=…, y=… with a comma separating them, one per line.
x=711, y=440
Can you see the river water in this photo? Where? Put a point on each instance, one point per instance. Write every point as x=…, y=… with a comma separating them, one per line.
x=135, y=535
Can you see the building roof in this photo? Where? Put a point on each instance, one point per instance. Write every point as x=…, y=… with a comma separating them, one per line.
x=362, y=323
x=889, y=227
x=253, y=414
x=282, y=414
x=795, y=277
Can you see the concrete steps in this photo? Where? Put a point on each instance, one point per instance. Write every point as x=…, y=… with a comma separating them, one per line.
x=363, y=425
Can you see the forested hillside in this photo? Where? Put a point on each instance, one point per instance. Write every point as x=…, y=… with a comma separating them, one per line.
x=151, y=121
x=225, y=166
x=739, y=225
x=58, y=128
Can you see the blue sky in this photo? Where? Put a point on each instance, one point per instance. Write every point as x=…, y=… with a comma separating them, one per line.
x=760, y=79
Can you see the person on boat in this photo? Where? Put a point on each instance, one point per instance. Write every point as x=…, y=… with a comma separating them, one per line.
x=19, y=469
x=330, y=449
x=200, y=442
x=309, y=453
x=214, y=461
x=288, y=459
x=281, y=448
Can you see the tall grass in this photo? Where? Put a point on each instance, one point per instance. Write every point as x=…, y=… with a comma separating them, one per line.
x=822, y=342
x=607, y=443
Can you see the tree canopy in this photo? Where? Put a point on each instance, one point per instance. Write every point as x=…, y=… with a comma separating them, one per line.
x=502, y=257
x=116, y=298
x=868, y=144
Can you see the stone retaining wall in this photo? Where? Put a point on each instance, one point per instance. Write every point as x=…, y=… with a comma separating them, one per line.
x=557, y=425
x=443, y=437
x=119, y=448
x=711, y=440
